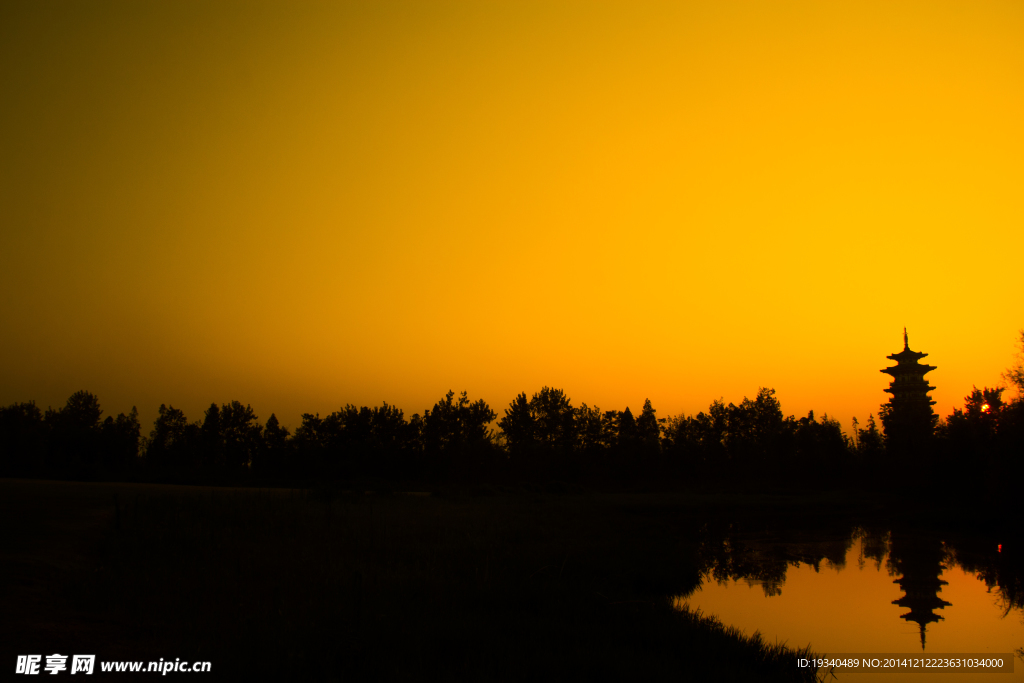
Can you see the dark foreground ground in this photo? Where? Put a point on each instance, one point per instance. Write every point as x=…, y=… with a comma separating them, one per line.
x=513, y=584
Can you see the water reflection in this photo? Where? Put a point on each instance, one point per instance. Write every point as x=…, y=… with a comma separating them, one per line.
x=858, y=589
x=919, y=561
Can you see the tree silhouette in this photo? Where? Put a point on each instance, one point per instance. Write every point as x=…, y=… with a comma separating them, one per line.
x=648, y=429
x=393, y=442
x=973, y=434
x=647, y=426
x=711, y=430
x=308, y=448
x=360, y=441
x=519, y=427
x=455, y=433
x=212, y=441
x=681, y=445
x=610, y=429
x=544, y=437
x=273, y=454
x=871, y=443
x=628, y=434
x=74, y=434
x=1015, y=373
x=555, y=419
x=241, y=432
x=819, y=448
x=756, y=431
x=590, y=432
x=119, y=442
x=22, y=440
x=172, y=442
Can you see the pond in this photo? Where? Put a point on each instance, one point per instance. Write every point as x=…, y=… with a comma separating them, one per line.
x=895, y=591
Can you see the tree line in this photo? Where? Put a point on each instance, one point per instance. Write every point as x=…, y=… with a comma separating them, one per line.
x=540, y=437
x=543, y=436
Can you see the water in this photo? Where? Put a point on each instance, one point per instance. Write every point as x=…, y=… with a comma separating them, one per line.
x=896, y=592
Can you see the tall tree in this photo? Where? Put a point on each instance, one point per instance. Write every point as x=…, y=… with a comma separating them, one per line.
x=74, y=434
x=648, y=426
x=241, y=433
x=711, y=431
x=648, y=432
x=172, y=442
x=273, y=454
x=628, y=433
x=212, y=440
x=519, y=426
x=555, y=419
x=590, y=429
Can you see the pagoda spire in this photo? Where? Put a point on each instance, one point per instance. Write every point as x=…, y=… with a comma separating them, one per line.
x=906, y=340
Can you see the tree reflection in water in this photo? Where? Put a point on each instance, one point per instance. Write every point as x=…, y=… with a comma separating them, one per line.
x=760, y=554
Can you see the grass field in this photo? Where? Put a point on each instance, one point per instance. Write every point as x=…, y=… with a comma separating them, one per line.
x=331, y=585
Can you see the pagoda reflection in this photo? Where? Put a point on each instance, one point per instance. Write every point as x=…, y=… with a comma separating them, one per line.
x=919, y=560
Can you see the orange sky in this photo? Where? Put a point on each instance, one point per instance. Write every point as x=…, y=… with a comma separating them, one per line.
x=304, y=207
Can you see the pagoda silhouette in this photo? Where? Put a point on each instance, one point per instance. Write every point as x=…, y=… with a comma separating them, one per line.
x=920, y=561
x=908, y=419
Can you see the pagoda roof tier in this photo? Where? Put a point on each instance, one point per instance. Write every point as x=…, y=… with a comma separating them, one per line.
x=922, y=619
x=926, y=602
x=908, y=369
x=907, y=356
x=917, y=386
x=919, y=400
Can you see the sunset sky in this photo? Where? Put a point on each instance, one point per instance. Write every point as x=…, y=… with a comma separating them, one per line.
x=303, y=205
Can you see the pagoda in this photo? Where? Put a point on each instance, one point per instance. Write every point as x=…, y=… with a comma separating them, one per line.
x=908, y=418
